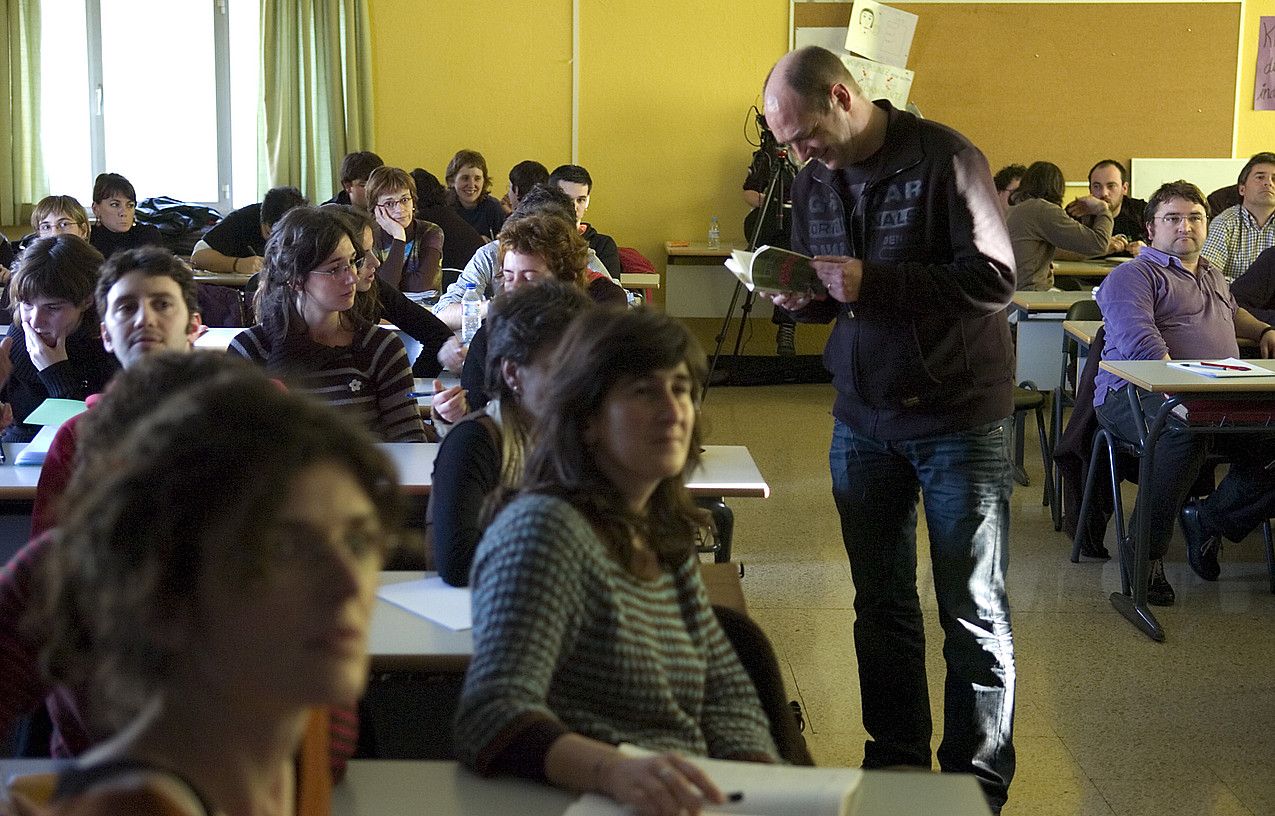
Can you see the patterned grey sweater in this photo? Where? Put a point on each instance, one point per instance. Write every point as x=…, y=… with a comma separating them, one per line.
x=566, y=640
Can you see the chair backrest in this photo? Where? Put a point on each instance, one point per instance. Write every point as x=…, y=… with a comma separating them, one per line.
x=758, y=658
x=1084, y=310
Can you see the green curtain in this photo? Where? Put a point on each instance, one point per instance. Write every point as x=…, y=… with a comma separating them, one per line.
x=317, y=82
x=22, y=180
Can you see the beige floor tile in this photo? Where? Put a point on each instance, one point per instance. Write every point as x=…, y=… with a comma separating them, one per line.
x=1108, y=722
x=1160, y=795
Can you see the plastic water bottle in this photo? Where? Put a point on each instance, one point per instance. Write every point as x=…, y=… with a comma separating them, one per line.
x=471, y=310
x=714, y=234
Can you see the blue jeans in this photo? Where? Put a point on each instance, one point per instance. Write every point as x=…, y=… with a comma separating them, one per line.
x=964, y=480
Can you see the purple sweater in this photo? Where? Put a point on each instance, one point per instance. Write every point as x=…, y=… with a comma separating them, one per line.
x=1152, y=306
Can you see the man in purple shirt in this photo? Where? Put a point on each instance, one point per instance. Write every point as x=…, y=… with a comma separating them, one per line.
x=1171, y=303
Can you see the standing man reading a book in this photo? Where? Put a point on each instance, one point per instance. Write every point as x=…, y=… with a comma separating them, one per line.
x=904, y=223
x=1172, y=303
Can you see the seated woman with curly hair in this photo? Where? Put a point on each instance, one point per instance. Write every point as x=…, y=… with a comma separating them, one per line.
x=533, y=248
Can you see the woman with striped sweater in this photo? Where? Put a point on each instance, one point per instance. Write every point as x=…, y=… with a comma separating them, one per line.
x=591, y=625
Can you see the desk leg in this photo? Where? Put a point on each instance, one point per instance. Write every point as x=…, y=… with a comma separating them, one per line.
x=724, y=520
x=1135, y=608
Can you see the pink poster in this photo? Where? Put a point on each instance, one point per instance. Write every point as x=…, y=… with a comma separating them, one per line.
x=1264, y=87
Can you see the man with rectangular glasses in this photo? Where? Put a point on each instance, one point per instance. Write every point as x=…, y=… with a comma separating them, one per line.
x=1170, y=302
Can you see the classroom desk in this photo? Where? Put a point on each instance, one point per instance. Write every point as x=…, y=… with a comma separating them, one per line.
x=402, y=641
x=222, y=278
x=1080, y=273
x=406, y=788
x=1040, y=335
x=1082, y=331
x=1157, y=376
x=697, y=284
x=378, y=787
x=17, y=483
x=725, y=470
x=216, y=338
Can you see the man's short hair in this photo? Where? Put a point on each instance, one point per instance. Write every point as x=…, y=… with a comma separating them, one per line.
x=1124, y=176
x=1174, y=189
x=1264, y=157
x=546, y=198
x=527, y=174
x=63, y=267
x=1007, y=175
x=358, y=166
x=63, y=205
x=113, y=184
x=810, y=75
x=151, y=262
x=277, y=201
x=572, y=173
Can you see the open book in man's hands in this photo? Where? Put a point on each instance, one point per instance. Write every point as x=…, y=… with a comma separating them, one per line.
x=775, y=271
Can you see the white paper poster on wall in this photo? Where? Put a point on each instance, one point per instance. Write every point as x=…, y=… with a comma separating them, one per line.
x=880, y=33
x=880, y=81
x=833, y=38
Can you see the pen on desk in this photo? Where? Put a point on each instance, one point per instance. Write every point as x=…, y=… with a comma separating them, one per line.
x=1224, y=366
x=735, y=796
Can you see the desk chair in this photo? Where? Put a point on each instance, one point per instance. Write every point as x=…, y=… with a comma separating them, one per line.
x=1119, y=454
x=1027, y=397
x=1065, y=394
x=450, y=274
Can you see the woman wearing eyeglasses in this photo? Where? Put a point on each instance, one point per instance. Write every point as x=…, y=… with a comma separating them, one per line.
x=308, y=335
x=1039, y=226
x=410, y=249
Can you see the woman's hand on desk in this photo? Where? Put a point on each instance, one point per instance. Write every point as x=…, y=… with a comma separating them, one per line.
x=659, y=785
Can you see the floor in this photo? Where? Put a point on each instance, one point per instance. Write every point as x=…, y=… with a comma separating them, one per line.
x=1108, y=723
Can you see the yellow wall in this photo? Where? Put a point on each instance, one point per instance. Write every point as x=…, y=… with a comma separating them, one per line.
x=491, y=75
x=1254, y=130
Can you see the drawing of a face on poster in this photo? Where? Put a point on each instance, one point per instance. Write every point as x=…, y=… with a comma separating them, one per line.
x=867, y=19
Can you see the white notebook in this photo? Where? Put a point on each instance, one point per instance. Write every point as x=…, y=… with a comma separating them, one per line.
x=1224, y=369
x=763, y=790
x=434, y=599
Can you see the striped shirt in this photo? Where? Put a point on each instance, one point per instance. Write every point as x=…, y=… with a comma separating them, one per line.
x=1236, y=239
x=567, y=640
x=369, y=380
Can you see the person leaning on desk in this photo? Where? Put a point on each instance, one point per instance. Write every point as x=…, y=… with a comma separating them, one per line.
x=592, y=627
x=1171, y=303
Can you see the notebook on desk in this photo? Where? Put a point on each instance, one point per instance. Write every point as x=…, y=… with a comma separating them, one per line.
x=754, y=789
x=1223, y=369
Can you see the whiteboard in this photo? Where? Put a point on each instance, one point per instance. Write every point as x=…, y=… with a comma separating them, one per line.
x=1207, y=174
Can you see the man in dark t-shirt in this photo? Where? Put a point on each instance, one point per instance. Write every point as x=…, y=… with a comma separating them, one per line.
x=1109, y=182
x=237, y=243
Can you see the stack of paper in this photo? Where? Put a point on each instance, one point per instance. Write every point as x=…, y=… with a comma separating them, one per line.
x=434, y=599
x=1223, y=369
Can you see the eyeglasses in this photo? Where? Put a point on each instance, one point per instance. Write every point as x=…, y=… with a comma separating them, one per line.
x=402, y=203
x=331, y=272
x=1174, y=219
x=61, y=226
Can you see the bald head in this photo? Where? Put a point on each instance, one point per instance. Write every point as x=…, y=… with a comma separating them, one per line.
x=809, y=74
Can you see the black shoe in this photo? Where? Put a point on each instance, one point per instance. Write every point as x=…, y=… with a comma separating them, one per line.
x=1201, y=548
x=1159, y=593
x=785, y=334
